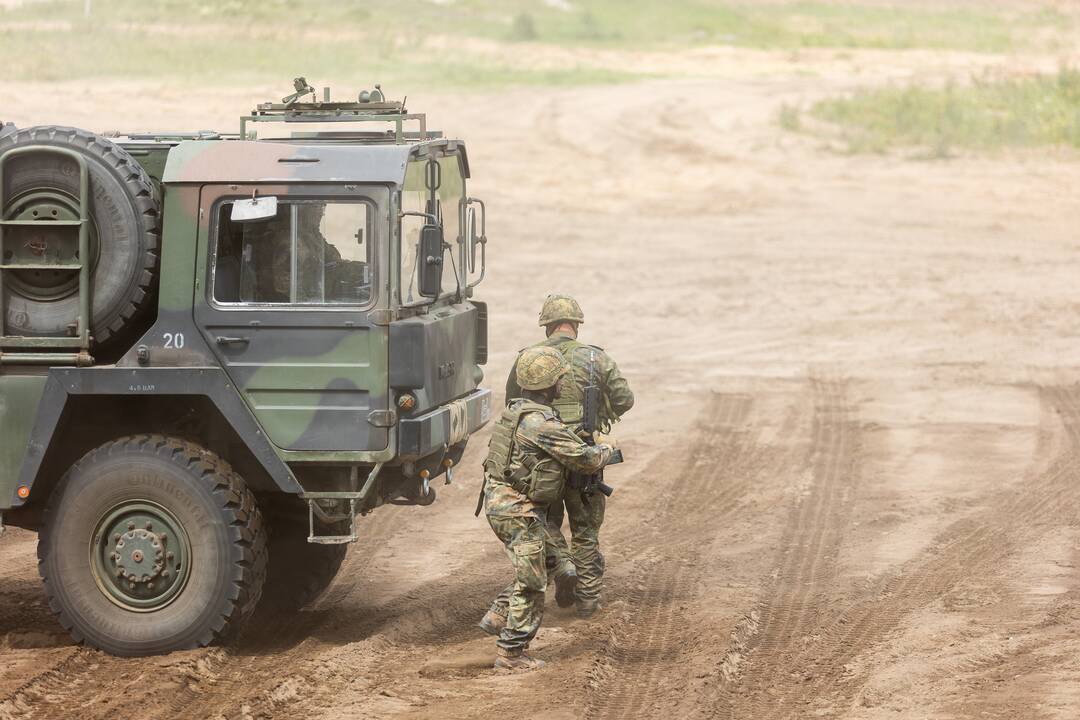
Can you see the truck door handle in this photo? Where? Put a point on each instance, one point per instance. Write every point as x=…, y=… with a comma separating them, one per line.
x=226, y=340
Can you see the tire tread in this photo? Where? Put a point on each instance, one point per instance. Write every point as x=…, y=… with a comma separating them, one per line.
x=248, y=530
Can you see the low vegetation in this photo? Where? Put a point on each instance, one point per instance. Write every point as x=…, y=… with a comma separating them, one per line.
x=990, y=113
x=466, y=42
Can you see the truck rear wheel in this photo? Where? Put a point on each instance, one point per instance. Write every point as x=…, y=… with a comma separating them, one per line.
x=124, y=212
x=298, y=571
x=152, y=544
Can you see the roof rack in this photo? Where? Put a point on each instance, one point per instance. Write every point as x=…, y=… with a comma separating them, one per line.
x=370, y=107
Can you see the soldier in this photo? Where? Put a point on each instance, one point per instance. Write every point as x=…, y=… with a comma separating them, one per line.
x=578, y=572
x=529, y=455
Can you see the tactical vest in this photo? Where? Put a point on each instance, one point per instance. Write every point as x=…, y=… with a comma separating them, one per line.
x=568, y=404
x=536, y=475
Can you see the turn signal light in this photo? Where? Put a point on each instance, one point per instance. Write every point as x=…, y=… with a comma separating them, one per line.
x=24, y=492
x=406, y=401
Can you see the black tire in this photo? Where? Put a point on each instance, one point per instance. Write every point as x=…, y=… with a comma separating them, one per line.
x=124, y=211
x=224, y=540
x=298, y=571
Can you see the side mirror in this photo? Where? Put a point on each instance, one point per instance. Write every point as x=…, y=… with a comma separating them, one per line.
x=474, y=239
x=254, y=209
x=431, y=261
x=476, y=225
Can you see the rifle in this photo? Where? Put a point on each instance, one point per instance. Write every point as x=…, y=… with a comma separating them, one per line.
x=590, y=423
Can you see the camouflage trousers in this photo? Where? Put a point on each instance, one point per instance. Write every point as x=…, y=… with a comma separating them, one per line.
x=583, y=552
x=522, y=601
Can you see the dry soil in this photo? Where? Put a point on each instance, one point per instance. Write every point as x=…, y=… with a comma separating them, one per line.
x=851, y=488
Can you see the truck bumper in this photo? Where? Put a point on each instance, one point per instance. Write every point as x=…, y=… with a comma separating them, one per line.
x=445, y=425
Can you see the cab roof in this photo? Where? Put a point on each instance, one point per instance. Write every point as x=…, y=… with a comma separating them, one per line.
x=265, y=161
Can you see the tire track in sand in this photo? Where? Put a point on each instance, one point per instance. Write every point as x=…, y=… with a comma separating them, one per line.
x=727, y=462
x=816, y=677
x=807, y=564
x=629, y=664
x=58, y=684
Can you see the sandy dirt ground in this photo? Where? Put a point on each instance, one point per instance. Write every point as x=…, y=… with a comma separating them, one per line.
x=851, y=487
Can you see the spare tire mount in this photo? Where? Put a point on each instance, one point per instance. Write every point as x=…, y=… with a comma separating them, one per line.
x=47, y=208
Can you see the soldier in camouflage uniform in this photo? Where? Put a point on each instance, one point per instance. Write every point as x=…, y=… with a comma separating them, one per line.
x=578, y=571
x=528, y=459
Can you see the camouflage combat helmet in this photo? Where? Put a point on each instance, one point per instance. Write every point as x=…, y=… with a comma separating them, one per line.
x=540, y=367
x=559, y=308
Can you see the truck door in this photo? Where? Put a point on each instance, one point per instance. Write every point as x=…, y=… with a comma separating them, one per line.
x=284, y=304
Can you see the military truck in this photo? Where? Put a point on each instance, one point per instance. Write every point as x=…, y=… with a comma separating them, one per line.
x=217, y=351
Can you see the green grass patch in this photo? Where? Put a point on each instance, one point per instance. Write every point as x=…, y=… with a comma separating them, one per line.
x=622, y=24
x=217, y=55
x=988, y=114
x=789, y=25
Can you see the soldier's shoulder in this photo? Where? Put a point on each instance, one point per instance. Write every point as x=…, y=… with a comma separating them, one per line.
x=539, y=413
x=535, y=422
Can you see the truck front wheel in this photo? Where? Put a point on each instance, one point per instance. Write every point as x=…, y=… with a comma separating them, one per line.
x=152, y=544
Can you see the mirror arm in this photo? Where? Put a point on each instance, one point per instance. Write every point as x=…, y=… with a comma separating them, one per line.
x=483, y=214
x=427, y=216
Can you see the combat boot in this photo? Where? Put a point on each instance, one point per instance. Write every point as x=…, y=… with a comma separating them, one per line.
x=565, y=585
x=517, y=661
x=492, y=623
x=585, y=610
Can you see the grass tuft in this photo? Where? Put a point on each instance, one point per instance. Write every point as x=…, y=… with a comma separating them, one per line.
x=990, y=113
x=790, y=117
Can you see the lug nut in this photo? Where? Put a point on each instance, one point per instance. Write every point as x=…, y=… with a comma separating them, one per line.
x=116, y=537
x=131, y=526
x=168, y=556
x=149, y=525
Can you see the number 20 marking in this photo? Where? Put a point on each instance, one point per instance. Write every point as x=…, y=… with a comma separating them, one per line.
x=174, y=340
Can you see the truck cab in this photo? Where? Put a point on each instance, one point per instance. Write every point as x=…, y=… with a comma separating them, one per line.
x=312, y=336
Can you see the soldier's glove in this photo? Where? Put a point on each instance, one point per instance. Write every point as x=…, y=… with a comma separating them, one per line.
x=601, y=439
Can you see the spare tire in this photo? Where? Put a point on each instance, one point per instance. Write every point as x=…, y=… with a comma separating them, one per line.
x=124, y=236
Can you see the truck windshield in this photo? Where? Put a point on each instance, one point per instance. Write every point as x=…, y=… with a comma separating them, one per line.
x=445, y=202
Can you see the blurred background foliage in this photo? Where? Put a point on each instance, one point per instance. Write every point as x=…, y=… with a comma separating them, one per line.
x=491, y=44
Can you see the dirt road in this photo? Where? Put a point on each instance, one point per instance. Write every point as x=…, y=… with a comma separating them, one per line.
x=852, y=478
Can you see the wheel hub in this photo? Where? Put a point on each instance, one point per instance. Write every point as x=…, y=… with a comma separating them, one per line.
x=139, y=555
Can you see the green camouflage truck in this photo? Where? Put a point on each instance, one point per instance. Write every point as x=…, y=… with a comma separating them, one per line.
x=217, y=351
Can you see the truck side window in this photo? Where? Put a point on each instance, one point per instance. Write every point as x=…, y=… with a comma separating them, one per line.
x=310, y=253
